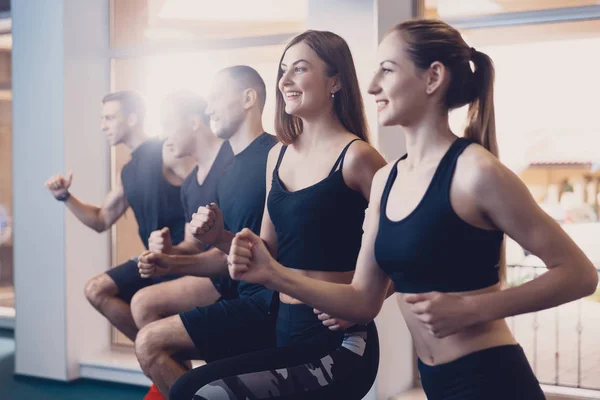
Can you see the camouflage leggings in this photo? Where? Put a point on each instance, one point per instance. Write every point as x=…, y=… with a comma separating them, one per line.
x=289, y=373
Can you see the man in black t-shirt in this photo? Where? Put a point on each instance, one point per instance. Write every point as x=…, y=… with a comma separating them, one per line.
x=150, y=184
x=187, y=127
x=229, y=327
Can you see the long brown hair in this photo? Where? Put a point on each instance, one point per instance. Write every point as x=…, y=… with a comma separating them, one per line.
x=347, y=103
x=432, y=40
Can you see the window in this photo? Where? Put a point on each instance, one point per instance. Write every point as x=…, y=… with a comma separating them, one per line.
x=167, y=45
x=168, y=23
x=475, y=8
x=6, y=248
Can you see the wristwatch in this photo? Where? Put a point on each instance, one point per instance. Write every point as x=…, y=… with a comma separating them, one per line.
x=63, y=197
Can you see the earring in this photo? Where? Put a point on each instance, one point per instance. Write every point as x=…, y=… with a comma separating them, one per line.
x=332, y=95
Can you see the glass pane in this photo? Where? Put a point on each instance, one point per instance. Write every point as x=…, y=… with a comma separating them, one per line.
x=164, y=22
x=473, y=8
x=126, y=243
x=157, y=76
x=6, y=247
x=547, y=126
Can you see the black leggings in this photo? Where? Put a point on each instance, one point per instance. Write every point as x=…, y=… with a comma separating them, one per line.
x=295, y=372
x=497, y=373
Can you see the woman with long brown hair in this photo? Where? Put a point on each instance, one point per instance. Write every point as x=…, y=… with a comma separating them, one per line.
x=436, y=224
x=318, y=184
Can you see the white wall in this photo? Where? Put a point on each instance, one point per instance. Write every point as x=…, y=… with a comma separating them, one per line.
x=363, y=23
x=60, y=73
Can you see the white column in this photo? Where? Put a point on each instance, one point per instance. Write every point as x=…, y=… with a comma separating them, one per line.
x=363, y=23
x=592, y=191
x=553, y=196
x=579, y=189
x=60, y=73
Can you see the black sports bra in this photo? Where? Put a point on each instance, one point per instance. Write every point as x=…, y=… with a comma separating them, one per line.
x=433, y=249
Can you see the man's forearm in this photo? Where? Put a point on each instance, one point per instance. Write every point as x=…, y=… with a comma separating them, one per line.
x=88, y=214
x=210, y=263
x=187, y=247
x=225, y=242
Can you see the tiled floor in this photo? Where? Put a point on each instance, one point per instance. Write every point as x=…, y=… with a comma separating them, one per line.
x=21, y=388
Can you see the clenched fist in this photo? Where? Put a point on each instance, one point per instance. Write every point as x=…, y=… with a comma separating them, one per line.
x=160, y=241
x=153, y=264
x=206, y=225
x=59, y=185
x=249, y=260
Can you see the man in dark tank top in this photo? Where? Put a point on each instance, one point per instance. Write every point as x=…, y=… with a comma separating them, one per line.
x=230, y=326
x=150, y=185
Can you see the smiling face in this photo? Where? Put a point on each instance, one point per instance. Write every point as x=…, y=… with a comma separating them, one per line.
x=179, y=130
x=225, y=107
x=304, y=84
x=399, y=87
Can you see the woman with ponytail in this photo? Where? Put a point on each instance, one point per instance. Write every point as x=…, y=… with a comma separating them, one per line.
x=436, y=224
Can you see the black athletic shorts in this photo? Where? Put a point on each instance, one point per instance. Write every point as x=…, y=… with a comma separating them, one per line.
x=127, y=278
x=231, y=327
x=497, y=373
x=227, y=287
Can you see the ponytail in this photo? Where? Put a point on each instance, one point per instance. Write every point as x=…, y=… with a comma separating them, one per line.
x=481, y=119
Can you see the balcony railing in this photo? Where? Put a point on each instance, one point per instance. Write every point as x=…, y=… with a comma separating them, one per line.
x=560, y=343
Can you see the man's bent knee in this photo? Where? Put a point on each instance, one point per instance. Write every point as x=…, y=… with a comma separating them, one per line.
x=144, y=308
x=151, y=342
x=145, y=347
x=98, y=288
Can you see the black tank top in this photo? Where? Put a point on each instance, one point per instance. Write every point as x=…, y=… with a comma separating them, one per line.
x=194, y=195
x=155, y=202
x=241, y=194
x=433, y=249
x=319, y=228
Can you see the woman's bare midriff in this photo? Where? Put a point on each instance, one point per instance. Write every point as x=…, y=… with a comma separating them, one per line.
x=434, y=351
x=333, y=277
